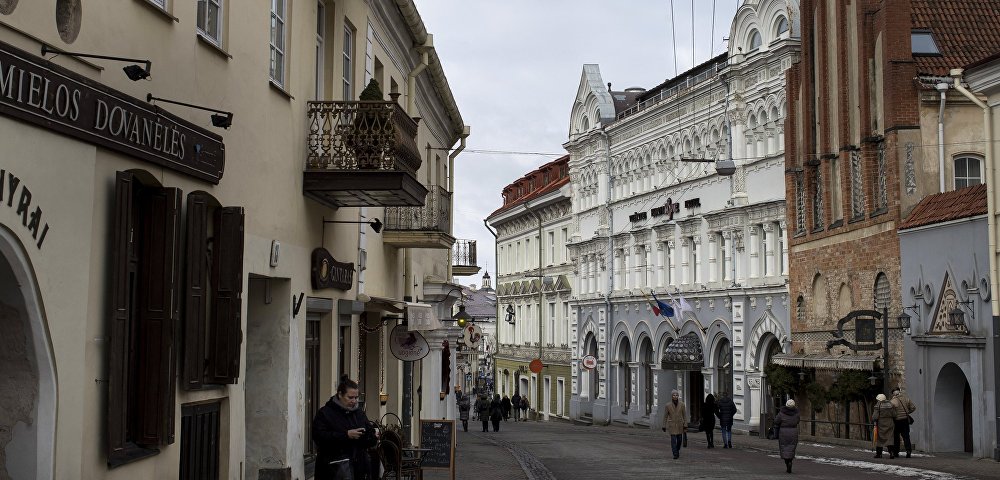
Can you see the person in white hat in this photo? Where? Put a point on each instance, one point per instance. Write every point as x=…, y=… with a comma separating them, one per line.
x=884, y=418
x=787, y=423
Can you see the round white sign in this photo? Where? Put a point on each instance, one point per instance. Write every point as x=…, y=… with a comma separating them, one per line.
x=589, y=362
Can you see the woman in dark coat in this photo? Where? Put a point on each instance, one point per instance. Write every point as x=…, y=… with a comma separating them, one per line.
x=483, y=411
x=496, y=412
x=343, y=436
x=726, y=411
x=505, y=402
x=708, y=412
x=884, y=417
x=464, y=405
x=787, y=422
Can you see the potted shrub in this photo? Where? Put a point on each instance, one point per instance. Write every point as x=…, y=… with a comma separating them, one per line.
x=368, y=123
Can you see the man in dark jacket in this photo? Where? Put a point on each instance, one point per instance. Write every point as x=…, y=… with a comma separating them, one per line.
x=505, y=402
x=515, y=404
x=343, y=436
x=483, y=410
x=726, y=411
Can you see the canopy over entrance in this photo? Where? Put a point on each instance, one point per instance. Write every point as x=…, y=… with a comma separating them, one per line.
x=684, y=354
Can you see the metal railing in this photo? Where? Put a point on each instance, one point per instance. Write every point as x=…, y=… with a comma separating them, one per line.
x=464, y=253
x=361, y=136
x=673, y=91
x=435, y=215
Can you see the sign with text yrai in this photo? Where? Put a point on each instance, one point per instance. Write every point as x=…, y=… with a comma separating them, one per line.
x=42, y=93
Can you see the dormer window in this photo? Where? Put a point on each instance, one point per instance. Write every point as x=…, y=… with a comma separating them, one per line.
x=922, y=43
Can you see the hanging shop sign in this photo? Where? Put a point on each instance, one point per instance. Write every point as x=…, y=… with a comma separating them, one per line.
x=589, y=362
x=37, y=91
x=406, y=345
x=864, y=331
x=471, y=335
x=329, y=273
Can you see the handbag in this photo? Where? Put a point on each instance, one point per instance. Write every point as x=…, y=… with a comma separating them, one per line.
x=909, y=418
x=775, y=430
x=341, y=469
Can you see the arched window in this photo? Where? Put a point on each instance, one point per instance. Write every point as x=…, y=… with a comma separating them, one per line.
x=968, y=171
x=782, y=26
x=882, y=294
x=754, y=40
x=586, y=123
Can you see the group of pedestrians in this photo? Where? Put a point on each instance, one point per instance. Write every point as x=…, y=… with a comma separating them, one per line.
x=675, y=421
x=498, y=409
x=892, y=420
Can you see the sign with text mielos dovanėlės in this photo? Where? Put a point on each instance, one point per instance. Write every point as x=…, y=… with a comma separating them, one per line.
x=39, y=92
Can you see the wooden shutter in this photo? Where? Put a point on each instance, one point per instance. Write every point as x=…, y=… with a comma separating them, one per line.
x=225, y=329
x=158, y=305
x=118, y=375
x=196, y=291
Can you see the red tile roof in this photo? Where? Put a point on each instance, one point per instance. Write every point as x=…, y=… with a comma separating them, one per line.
x=966, y=31
x=942, y=207
x=556, y=181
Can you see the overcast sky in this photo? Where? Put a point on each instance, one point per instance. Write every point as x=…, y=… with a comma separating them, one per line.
x=514, y=67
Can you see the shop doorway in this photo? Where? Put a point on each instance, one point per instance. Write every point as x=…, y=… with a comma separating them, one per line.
x=952, y=407
x=27, y=412
x=696, y=395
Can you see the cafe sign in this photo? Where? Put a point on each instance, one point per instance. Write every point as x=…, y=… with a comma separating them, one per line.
x=37, y=91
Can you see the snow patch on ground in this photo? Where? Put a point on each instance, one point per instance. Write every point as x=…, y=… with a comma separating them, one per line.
x=820, y=445
x=897, y=470
x=868, y=450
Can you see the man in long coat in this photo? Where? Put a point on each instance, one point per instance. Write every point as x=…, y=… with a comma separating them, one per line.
x=674, y=422
x=884, y=417
x=787, y=423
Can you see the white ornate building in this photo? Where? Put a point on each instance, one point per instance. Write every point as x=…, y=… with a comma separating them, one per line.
x=649, y=223
x=534, y=288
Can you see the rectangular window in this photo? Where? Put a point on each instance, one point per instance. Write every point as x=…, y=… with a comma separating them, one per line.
x=210, y=20
x=320, y=49
x=565, y=244
x=312, y=381
x=278, y=42
x=551, y=339
x=552, y=248
x=200, y=426
x=348, y=62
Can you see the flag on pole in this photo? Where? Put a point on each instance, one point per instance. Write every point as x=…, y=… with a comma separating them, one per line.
x=665, y=309
x=652, y=304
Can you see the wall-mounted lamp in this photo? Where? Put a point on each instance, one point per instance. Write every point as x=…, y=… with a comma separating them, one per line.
x=956, y=316
x=375, y=223
x=221, y=119
x=462, y=317
x=724, y=168
x=133, y=72
x=904, y=320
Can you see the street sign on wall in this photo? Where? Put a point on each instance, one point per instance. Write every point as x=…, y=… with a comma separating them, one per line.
x=589, y=362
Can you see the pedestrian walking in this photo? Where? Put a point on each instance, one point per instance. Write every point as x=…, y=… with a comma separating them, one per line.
x=884, y=418
x=524, y=407
x=674, y=421
x=515, y=404
x=901, y=428
x=463, y=410
x=483, y=410
x=496, y=412
x=787, y=423
x=726, y=411
x=708, y=412
x=343, y=436
x=506, y=407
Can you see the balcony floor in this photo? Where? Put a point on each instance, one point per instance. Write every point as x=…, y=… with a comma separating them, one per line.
x=363, y=188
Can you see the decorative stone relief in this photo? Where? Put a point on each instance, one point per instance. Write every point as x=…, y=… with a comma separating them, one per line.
x=739, y=409
x=737, y=384
x=753, y=302
x=738, y=360
x=910, y=174
x=753, y=383
x=737, y=335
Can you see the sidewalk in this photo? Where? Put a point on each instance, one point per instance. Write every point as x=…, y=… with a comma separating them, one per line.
x=484, y=456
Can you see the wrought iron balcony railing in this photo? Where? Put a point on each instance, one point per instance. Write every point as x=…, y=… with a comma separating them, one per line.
x=434, y=215
x=360, y=135
x=464, y=253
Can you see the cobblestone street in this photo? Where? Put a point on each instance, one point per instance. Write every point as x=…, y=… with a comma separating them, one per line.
x=560, y=450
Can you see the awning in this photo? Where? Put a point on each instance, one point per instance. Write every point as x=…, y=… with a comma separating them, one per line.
x=683, y=354
x=386, y=304
x=420, y=316
x=826, y=362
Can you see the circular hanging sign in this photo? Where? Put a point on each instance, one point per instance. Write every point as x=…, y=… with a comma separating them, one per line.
x=589, y=362
x=471, y=335
x=406, y=345
x=536, y=366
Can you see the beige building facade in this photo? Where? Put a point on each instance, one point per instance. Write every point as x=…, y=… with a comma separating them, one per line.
x=163, y=279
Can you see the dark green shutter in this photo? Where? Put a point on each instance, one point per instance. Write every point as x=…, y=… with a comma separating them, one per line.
x=196, y=291
x=225, y=329
x=117, y=373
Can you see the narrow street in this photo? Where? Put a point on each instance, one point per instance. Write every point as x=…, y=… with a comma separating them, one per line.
x=559, y=450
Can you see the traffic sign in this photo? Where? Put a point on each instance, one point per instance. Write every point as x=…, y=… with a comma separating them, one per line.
x=536, y=366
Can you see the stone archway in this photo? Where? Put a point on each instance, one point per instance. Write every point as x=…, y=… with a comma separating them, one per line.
x=646, y=374
x=27, y=387
x=623, y=374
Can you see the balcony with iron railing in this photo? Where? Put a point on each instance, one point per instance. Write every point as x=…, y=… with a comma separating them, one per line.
x=427, y=226
x=362, y=154
x=463, y=258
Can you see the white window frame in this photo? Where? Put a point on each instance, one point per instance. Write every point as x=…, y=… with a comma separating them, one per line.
x=219, y=24
x=278, y=58
x=967, y=180
x=348, y=62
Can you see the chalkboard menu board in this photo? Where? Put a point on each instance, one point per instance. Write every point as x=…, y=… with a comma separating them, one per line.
x=438, y=437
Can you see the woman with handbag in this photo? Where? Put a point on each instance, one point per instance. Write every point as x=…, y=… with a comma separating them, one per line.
x=708, y=412
x=904, y=407
x=787, y=425
x=343, y=436
x=884, y=417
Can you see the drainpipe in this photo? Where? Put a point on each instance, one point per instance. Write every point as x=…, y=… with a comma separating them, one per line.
x=611, y=276
x=496, y=288
x=451, y=187
x=411, y=79
x=943, y=88
x=991, y=212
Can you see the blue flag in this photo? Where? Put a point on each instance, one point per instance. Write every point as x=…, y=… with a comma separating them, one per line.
x=665, y=310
